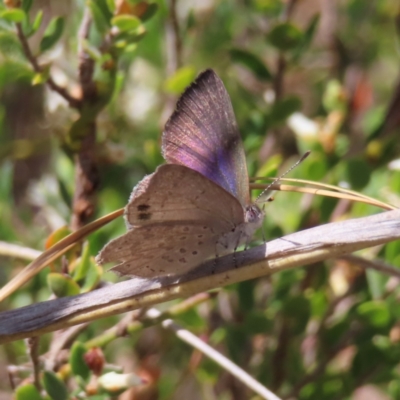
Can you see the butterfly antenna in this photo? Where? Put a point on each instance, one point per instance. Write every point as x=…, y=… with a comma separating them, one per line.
x=303, y=157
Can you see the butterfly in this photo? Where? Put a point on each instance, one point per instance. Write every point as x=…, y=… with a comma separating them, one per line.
x=196, y=206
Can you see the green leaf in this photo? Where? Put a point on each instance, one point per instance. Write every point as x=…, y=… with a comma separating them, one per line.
x=38, y=79
x=13, y=15
x=307, y=38
x=297, y=311
x=271, y=8
x=126, y=22
x=284, y=108
x=92, y=277
x=257, y=323
x=374, y=313
x=12, y=71
x=150, y=11
x=101, y=22
x=358, y=173
x=55, y=388
x=334, y=97
x=111, y=5
x=27, y=392
x=26, y=5
x=41, y=77
x=52, y=34
x=191, y=319
x=36, y=22
x=62, y=285
x=177, y=83
x=56, y=236
x=105, y=9
x=93, y=52
x=83, y=264
x=365, y=360
x=245, y=292
x=333, y=335
x=285, y=36
x=318, y=303
x=77, y=361
x=124, y=40
x=376, y=283
x=394, y=389
x=10, y=46
x=252, y=62
x=316, y=166
x=392, y=251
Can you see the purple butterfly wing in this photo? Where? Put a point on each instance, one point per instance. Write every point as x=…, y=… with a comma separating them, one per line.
x=202, y=134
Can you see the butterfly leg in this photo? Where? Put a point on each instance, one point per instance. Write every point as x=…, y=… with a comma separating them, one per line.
x=215, y=258
x=221, y=249
x=235, y=249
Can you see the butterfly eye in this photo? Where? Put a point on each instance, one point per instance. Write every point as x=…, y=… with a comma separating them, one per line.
x=253, y=213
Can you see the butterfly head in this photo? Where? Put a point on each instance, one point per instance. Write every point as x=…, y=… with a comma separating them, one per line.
x=253, y=214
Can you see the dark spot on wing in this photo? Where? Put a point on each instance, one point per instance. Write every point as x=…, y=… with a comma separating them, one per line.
x=143, y=207
x=194, y=252
x=144, y=216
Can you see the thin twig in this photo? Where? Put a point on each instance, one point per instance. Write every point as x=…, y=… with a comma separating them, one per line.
x=72, y=101
x=13, y=250
x=86, y=63
x=279, y=357
x=278, y=83
x=220, y=359
x=134, y=321
x=62, y=340
x=86, y=170
x=86, y=178
x=33, y=348
x=288, y=10
x=173, y=55
x=377, y=265
x=279, y=76
x=174, y=41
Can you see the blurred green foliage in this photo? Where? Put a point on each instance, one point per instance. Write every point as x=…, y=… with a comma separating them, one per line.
x=317, y=76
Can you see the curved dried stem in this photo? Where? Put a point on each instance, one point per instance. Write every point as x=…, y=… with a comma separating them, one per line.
x=298, y=249
x=319, y=189
x=61, y=247
x=214, y=355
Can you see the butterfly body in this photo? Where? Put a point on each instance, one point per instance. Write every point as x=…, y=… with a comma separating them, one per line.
x=197, y=206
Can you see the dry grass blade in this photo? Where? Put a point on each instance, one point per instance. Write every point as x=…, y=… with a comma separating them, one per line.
x=55, y=252
x=298, y=249
x=320, y=189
